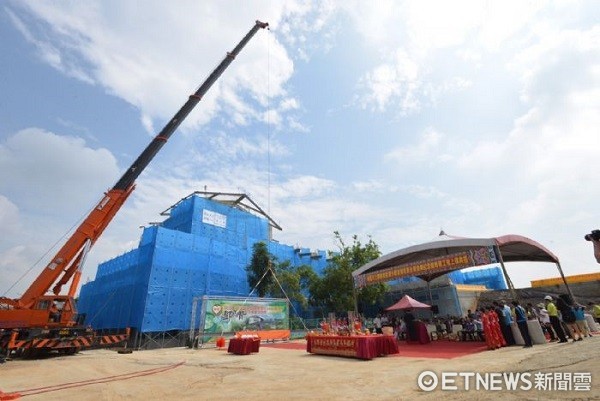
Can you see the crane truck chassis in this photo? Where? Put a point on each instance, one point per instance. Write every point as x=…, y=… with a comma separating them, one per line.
x=38, y=323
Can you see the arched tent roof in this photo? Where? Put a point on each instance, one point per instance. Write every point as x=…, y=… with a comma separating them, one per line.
x=511, y=248
x=516, y=248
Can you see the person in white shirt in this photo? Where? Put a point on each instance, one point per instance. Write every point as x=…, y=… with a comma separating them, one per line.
x=377, y=324
x=401, y=330
x=478, y=328
x=544, y=319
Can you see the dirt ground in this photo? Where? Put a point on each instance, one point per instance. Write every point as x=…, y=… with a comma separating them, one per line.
x=284, y=374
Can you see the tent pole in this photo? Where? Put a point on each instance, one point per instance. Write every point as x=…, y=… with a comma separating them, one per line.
x=511, y=288
x=429, y=291
x=430, y=298
x=565, y=281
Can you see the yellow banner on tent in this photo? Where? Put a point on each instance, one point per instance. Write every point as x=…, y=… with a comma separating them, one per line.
x=460, y=260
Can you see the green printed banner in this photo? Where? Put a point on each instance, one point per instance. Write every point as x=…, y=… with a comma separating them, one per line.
x=229, y=316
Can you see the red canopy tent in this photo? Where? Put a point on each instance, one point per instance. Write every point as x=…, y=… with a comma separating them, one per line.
x=406, y=302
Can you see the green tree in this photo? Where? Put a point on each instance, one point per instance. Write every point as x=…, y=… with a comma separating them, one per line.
x=334, y=291
x=293, y=281
x=258, y=269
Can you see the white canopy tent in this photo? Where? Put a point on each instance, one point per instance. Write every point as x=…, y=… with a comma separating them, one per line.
x=448, y=253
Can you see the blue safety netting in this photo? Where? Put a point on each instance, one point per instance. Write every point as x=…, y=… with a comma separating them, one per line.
x=152, y=287
x=490, y=277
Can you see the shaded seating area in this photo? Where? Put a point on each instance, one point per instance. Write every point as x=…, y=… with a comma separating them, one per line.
x=458, y=332
x=440, y=331
x=471, y=335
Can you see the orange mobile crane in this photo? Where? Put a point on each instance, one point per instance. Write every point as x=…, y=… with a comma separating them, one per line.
x=39, y=322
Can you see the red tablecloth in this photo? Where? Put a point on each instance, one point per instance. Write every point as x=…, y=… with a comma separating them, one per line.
x=386, y=345
x=265, y=335
x=362, y=347
x=243, y=346
x=422, y=334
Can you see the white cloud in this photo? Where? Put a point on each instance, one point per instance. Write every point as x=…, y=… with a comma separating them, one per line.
x=372, y=186
x=37, y=165
x=307, y=27
x=53, y=179
x=9, y=214
x=556, y=137
x=289, y=104
x=12, y=264
x=92, y=42
x=545, y=166
x=48, y=52
x=414, y=39
x=424, y=151
x=294, y=125
x=311, y=221
x=386, y=82
x=302, y=188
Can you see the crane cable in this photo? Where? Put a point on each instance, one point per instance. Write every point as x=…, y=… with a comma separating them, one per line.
x=270, y=267
x=77, y=223
x=269, y=124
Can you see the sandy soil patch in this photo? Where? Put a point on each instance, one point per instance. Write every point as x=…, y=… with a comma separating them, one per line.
x=283, y=374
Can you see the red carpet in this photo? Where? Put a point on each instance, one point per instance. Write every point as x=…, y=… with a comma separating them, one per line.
x=437, y=349
x=440, y=349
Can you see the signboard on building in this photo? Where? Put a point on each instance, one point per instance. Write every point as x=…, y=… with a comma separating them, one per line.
x=214, y=218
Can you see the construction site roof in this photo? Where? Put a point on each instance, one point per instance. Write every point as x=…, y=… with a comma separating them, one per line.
x=237, y=200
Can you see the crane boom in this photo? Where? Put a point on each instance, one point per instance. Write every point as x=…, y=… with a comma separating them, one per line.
x=142, y=161
x=69, y=259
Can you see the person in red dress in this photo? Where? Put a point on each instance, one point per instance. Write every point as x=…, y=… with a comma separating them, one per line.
x=500, y=340
x=487, y=330
x=494, y=338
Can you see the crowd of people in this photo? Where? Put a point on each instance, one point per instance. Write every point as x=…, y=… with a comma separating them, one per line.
x=560, y=319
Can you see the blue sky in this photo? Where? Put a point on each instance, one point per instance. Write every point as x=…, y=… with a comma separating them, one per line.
x=386, y=119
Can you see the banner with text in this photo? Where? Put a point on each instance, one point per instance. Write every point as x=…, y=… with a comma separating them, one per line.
x=229, y=316
x=473, y=257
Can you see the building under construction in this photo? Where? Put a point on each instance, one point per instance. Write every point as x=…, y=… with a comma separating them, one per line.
x=201, y=249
